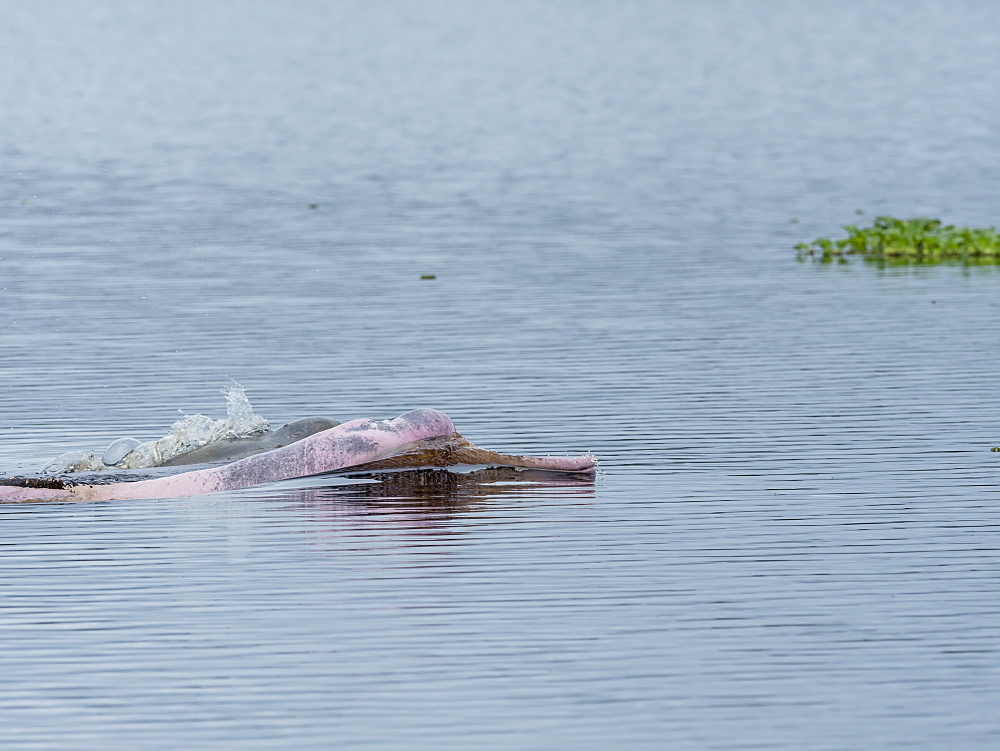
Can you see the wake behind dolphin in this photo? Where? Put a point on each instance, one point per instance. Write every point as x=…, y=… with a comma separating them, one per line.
x=242, y=430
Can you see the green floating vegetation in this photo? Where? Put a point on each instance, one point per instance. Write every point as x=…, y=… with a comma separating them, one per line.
x=907, y=241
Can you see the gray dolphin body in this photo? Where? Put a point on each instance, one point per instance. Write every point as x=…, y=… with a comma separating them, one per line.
x=235, y=449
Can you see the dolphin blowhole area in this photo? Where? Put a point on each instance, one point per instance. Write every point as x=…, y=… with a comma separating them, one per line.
x=234, y=449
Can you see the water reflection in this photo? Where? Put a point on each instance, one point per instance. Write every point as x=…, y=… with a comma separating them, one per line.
x=434, y=488
x=418, y=507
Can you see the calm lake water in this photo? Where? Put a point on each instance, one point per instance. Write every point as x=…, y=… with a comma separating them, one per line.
x=793, y=539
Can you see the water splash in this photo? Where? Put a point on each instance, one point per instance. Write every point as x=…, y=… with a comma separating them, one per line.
x=241, y=417
x=187, y=434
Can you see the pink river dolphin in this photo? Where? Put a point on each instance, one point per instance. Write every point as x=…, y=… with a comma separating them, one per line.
x=421, y=437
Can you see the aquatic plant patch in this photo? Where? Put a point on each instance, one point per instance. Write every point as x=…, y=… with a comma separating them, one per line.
x=907, y=241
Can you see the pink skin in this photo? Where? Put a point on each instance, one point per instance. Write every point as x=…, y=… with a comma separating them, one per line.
x=346, y=445
x=558, y=463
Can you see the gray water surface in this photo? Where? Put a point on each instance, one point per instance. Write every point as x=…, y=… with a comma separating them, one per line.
x=793, y=539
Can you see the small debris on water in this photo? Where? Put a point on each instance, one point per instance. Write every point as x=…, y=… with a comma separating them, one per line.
x=428, y=276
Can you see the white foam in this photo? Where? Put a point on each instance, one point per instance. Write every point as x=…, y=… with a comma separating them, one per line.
x=74, y=461
x=189, y=433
